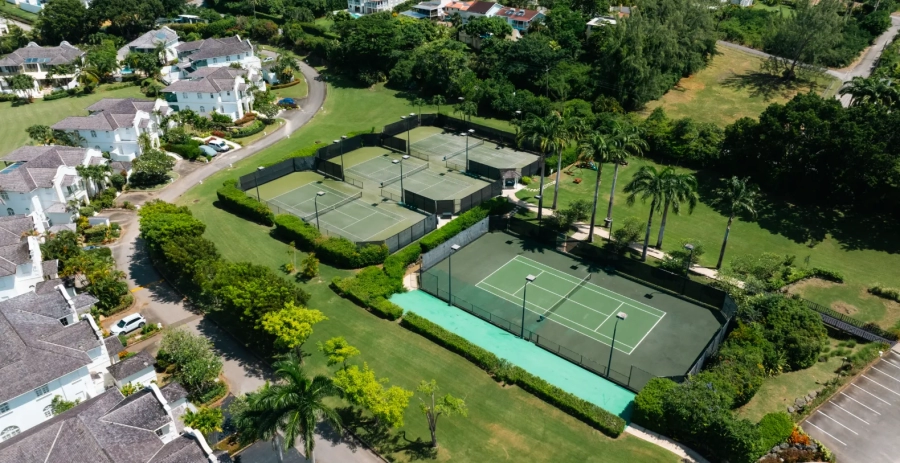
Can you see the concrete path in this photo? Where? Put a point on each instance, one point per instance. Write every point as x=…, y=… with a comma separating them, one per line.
x=13, y=22
x=160, y=302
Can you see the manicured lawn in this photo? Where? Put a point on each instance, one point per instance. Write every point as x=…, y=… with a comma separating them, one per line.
x=18, y=13
x=18, y=118
x=730, y=88
x=864, y=249
x=504, y=423
x=297, y=91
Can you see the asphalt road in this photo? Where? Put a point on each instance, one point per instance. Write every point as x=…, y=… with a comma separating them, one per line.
x=160, y=303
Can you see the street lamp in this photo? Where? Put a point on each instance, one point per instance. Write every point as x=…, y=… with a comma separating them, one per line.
x=467, y=134
x=528, y=279
x=402, y=191
x=256, y=180
x=687, y=267
x=341, y=142
x=408, y=128
x=540, y=199
x=518, y=121
x=316, y=205
x=619, y=316
x=453, y=248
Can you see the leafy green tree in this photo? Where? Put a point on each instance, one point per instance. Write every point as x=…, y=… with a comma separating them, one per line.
x=803, y=38
x=248, y=291
x=41, y=134
x=291, y=326
x=680, y=188
x=15, y=39
x=793, y=329
x=648, y=183
x=872, y=90
x=630, y=232
x=23, y=83
x=152, y=168
x=484, y=26
x=145, y=63
x=162, y=222
x=434, y=407
x=62, y=20
x=361, y=388
x=125, y=18
x=737, y=195
x=438, y=100
x=206, y=420
x=60, y=405
x=128, y=389
x=338, y=350
x=197, y=366
x=285, y=66
x=310, y=266
x=102, y=60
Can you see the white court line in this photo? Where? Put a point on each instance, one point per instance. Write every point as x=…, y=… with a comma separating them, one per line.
x=860, y=403
x=557, y=273
x=526, y=284
x=495, y=271
x=836, y=421
x=826, y=433
x=849, y=412
x=561, y=297
x=885, y=374
x=607, y=318
x=881, y=385
x=867, y=392
x=648, y=331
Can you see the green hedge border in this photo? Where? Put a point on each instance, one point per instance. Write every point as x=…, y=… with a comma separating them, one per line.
x=296, y=81
x=237, y=202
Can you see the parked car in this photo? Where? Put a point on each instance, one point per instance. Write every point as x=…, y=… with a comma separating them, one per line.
x=208, y=150
x=268, y=59
x=90, y=248
x=128, y=324
x=218, y=145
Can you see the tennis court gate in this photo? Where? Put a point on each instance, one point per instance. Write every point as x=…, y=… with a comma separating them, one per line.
x=405, y=237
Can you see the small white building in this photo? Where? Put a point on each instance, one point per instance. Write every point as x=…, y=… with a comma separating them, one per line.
x=225, y=90
x=4, y=27
x=22, y=267
x=35, y=61
x=136, y=370
x=116, y=124
x=148, y=42
x=371, y=6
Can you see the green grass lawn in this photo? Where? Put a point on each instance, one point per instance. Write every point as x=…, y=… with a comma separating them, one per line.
x=730, y=88
x=18, y=118
x=504, y=423
x=864, y=249
x=295, y=91
x=17, y=13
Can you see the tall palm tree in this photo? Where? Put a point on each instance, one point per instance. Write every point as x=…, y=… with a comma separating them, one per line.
x=648, y=183
x=632, y=145
x=737, y=195
x=598, y=148
x=549, y=135
x=438, y=100
x=293, y=406
x=872, y=90
x=680, y=188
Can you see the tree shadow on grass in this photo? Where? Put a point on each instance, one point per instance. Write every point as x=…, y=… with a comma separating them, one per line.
x=765, y=85
x=382, y=438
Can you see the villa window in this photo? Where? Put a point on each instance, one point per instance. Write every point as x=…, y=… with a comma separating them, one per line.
x=4, y=195
x=184, y=95
x=93, y=134
x=215, y=60
x=228, y=93
x=199, y=95
x=9, y=433
x=4, y=408
x=42, y=391
x=228, y=58
x=48, y=411
x=161, y=431
x=10, y=211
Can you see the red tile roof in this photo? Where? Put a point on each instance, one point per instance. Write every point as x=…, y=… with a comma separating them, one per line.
x=513, y=13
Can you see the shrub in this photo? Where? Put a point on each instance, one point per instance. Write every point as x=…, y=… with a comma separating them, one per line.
x=149, y=328
x=775, y=428
x=794, y=330
x=337, y=251
x=128, y=205
x=189, y=151
x=123, y=339
x=887, y=293
x=291, y=229
x=99, y=234
x=826, y=274
x=56, y=95
x=386, y=309
x=256, y=127
x=247, y=118
x=630, y=232
x=457, y=225
x=86, y=211
x=215, y=392
x=118, y=181
x=310, y=266
x=105, y=200
x=368, y=285
x=649, y=404
x=395, y=265
x=525, y=180
x=289, y=84
x=236, y=201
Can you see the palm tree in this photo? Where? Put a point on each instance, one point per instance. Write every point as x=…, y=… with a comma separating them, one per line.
x=648, y=183
x=871, y=90
x=632, y=144
x=88, y=77
x=598, y=148
x=293, y=406
x=438, y=100
x=549, y=135
x=680, y=188
x=735, y=196
x=284, y=68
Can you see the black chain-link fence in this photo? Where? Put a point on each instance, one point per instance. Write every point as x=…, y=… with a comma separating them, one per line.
x=407, y=236
x=420, y=202
x=489, y=191
x=330, y=169
x=394, y=143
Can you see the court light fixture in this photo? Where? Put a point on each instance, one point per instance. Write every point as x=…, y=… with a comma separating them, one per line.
x=471, y=131
x=405, y=156
x=395, y=161
x=453, y=248
x=320, y=193
x=528, y=279
x=621, y=315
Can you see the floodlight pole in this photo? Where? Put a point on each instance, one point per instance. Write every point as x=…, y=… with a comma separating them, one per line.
x=341, y=142
x=528, y=279
x=256, y=180
x=619, y=316
x=540, y=199
x=408, y=128
x=316, y=205
x=687, y=267
x=453, y=248
x=518, y=121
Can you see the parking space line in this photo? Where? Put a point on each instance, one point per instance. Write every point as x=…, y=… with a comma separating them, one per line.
x=867, y=392
x=889, y=376
x=849, y=413
x=864, y=405
x=891, y=363
x=826, y=433
x=838, y=422
x=882, y=385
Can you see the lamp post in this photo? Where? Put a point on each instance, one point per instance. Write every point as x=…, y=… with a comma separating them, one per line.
x=408, y=128
x=540, y=199
x=341, y=142
x=518, y=121
x=256, y=180
x=619, y=316
x=528, y=279
x=402, y=191
x=467, y=134
x=687, y=266
x=316, y=205
x=453, y=248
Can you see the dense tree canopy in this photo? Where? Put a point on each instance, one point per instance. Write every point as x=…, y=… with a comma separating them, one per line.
x=62, y=20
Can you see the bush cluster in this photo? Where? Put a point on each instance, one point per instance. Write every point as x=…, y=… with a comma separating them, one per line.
x=56, y=95
x=462, y=222
x=256, y=127
x=237, y=202
x=771, y=272
x=289, y=84
x=370, y=284
x=887, y=293
x=190, y=150
x=336, y=251
x=247, y=118
x=101, y=233
x=591, y=414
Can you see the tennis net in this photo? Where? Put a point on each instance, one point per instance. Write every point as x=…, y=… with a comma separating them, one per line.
x=419, y=153
x=471, y=146
x=566, y=297
x=405, y=174
x=307, y=218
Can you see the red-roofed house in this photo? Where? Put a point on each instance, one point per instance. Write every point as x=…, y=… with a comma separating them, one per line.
x=519, y=18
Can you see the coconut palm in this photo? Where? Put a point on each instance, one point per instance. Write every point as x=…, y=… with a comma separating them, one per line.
x=632, y=145
x=285, y=67
x=648, y=183
x=438, y=100
x=549, y=135
x=871, y=90
x=736, y=195
x=292, y=406
x=598, y=148
x=680, y=188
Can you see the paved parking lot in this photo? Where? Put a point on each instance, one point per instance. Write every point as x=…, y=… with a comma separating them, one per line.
x=860, y=423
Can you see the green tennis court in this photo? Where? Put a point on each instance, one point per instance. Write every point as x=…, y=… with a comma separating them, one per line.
x=383, y=168
x=577, y=304
x=440, y=146
x=434, y=185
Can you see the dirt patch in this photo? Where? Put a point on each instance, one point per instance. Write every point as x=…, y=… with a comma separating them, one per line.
x=891, y=309
x=844, y=308
x=798, y=287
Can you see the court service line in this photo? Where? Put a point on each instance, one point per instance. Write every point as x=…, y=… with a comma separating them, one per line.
x=604, y=292
x=354, y=223
x=867, y=392
x=881, y=385
x=648, y=331
x=607, y=318
x=292, y=190
x=554, y=315
x=849, y=412
x=495, y=271
x=860, y=403
x=526, y=283
x=836, y=421
x=826, y=433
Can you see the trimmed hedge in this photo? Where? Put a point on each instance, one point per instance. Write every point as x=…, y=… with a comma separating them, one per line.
x=591, y=414
x=367, y=286
x=386, y=309
x=56, y=95
x=649, y=405
x=457, y=225
x=256, y=127
x=395, y=265
x=826, y=274
x=333, y=250
x=189, y=151
x=289, y=84
x=237, y=202
x=775, y=428
x=878, y=290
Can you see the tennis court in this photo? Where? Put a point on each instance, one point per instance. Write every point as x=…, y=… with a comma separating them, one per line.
x=434, y=185
x=346, y=214
x=442, y=146
x=384, y=170
x=577, y=304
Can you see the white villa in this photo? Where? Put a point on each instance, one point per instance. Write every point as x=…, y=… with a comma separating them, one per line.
x=42, y=180
x=147, y=43
x=21, y=265
x=116, y=124
x=35, y=61
x=213, y=53
x=224, y=90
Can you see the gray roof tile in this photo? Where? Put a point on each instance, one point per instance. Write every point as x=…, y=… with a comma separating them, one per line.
x=139, y=362
x=50, y=267
x=63, y=54
x=139, y=410
x=41, y=166
x=207, y=80
x=214, y=48
x=173, y=392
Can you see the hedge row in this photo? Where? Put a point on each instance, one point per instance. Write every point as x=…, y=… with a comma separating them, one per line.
x=256, y=127
x=878, y=290
x=189, y=151
x=457, y=225
x=237, y=202
x=57, y=95
x=591, y=414
x=333, y=250
x=289, y=84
